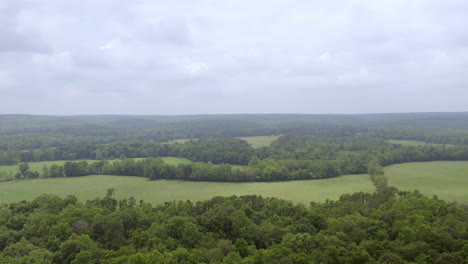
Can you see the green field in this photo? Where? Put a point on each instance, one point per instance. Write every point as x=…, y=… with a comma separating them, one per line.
x=90, y=187
x=176, y=161
x=414, y=143
x=410, y=143
x=256, y=142
x=446, y=179
x=180, y=140
x=260, y=141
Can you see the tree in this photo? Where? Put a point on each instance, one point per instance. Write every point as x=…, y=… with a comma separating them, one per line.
x=45, y=171
x=55, y=171
x=374, y=168
x=23, y=168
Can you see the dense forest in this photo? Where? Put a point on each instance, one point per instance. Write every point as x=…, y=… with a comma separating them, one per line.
x=384, y=227
x=217, y=150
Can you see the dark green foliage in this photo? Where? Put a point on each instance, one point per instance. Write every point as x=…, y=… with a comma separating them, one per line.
x=25, y=173
x=219, y=150
x=384, y=227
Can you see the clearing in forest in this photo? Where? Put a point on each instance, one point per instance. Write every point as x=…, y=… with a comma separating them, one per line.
x=446, y=179
x=260, y=141
x=414, y=143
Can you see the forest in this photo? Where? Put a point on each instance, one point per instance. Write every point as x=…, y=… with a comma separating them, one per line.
x=388, y=226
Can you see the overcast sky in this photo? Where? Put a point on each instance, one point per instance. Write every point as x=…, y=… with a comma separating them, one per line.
x=233, y=56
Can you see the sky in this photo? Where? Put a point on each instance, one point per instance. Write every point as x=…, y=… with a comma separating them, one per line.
x=233, y=56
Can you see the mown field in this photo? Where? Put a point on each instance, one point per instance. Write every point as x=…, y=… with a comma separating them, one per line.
x=256, y=142
x=90, y=187
x=446, y=179
x=413, y=143
x=260, y=141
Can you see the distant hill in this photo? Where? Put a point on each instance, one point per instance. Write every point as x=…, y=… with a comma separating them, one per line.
x=33, y=131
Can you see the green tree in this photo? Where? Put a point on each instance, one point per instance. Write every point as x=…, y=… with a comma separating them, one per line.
x=23, y=168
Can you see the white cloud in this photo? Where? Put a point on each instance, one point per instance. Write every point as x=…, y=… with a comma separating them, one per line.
x=111, y=44
x=325, y=57
x=196, y=68
x=285, y=54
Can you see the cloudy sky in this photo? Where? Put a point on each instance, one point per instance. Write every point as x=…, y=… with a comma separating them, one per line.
x=233, y=56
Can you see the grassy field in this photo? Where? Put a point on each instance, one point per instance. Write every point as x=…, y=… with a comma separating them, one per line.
x=413, y=143
x=90, y=187
x=180, y=140
x=37, y=166
x=176, y=161
x=256, y=142
x=446, y=179
x=260, y=141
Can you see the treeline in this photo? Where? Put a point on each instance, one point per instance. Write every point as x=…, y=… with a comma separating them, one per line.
x=217, y=150
x=387, y=227
x=377, y=175
x=291, y=157
x=257, y=170
x=156, y=169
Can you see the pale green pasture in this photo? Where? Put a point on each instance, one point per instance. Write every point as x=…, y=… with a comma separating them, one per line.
x=414, y=143
x=260, y=141
x=446, y=179
x=156, y=192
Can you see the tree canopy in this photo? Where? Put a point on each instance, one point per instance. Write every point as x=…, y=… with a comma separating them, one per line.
x=385, y=227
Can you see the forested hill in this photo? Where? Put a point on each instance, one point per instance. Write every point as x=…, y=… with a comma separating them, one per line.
x=453, y=120
x=29, y=131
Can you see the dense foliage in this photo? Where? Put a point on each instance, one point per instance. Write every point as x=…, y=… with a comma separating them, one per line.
x=156, y=169
x=217, y=150
x=384, y=227
x=358, y=149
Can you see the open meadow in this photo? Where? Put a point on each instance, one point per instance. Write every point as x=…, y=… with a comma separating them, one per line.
x=255, y=141
x=260, y=141
x=414, y=143
x=446, y=179
x=90, y=187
